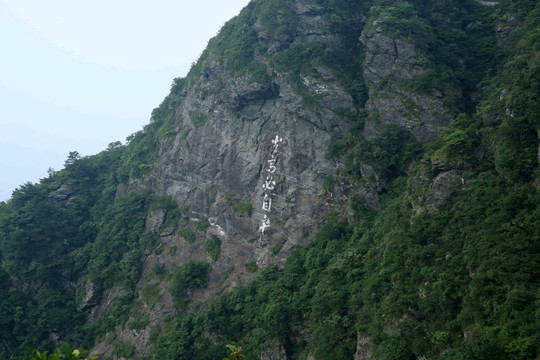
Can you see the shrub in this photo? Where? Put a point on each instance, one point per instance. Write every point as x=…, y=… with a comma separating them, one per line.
x=139, y=323
x=122, y=349
x=213, y=247
x=187, y=234
x=243, y=209
x=202, y=225
x=150, y=294
x=251, y=266
x=192, y=275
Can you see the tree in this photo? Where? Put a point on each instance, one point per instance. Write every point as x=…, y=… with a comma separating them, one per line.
x=72, y=158
x=64, y=352
x=235, y=353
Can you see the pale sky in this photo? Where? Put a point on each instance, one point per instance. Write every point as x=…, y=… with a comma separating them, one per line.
x=76, y=75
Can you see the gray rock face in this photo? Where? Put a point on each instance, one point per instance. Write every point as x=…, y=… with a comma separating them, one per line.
x=369, y=198
x=488, y=3
x=274, y=351
x=434, y=184
x=106, y=300
x=442, y=187
x=92, y=296
x=155, y=220
x=64, y=195
x=389, y=64
x=364, y=347
x=233, y=154
x=503, y=31
x=259, y=147
x=255, y=145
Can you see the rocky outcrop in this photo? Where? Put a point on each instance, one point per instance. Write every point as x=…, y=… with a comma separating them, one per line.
x=92, y=296
x=106, y=300
x=364, y=347
x=64, y=195
x=259, y=147
x=391, y=65
x=442, y=187
x=488, y=3
x=232, y=154
x=433, y=184
x=274, y=351
x=503, y=31
x=255, y=146
x=155, y=220
x=369, y=198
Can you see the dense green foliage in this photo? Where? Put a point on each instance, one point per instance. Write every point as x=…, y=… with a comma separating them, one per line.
x=458, y=283
x=63, y=352
x=213, y=247
x=54, y=247
x=236, y=353
x=191, y=275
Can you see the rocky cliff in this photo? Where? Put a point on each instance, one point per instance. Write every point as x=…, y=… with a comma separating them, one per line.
x=248, y=154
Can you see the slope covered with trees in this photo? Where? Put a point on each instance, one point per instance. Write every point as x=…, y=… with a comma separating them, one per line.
x=431, y=251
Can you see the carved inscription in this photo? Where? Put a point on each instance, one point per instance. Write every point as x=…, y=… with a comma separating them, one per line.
x=269, y=183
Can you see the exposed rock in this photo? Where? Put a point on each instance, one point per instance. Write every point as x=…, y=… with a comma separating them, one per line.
x=167, y=231
x=364, y=347
x=332, y=94
x=72, y=201
x=63, y=195
x=488, y=3
x=390, y=63
x=302, y=8
x=274, y=351
x=155, y=220
x=230, y=153
x=312, y=26
x=245, y=93
x=503, y=31
x=92, y=296
x=371, y=177
x=438, y=166
x=123, y=335
x=391, y=58
x=442, y=187
x=369, y=198
x=107, y=298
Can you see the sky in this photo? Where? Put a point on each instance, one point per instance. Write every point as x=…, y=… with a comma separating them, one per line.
x=77, y=75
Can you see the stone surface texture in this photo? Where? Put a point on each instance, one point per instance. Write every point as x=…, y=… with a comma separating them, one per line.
x=391, y=65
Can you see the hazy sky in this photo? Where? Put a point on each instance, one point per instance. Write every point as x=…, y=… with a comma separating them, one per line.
x=77, y=75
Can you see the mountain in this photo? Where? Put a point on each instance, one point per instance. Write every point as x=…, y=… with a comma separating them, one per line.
x=332, y=180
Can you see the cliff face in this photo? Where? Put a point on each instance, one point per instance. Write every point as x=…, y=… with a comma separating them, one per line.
x=249, y=156
x=390, y=65
x=269, y=145
x=223, y=153
x=254, y=145
x=262, y=145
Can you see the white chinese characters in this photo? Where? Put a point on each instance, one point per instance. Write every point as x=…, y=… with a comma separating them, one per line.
x=269, y=184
